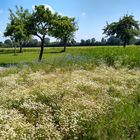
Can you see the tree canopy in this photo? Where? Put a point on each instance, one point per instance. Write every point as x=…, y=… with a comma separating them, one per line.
x=43, y=22
x=16, y=29
x=39, y=24
x=63, y=28
x=126, y=29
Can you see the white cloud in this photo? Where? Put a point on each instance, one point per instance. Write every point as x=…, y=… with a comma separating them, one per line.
x=1, y=33
x=83, y=14
x=51, y=9
x=46, y=6
x=1, y=36
x=33, y=7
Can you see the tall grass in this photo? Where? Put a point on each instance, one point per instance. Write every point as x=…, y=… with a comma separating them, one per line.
x=84, y=94
x=112, y=56
x=121, y=122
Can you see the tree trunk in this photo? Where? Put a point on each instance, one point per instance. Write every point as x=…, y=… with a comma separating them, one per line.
x=20, y=46
x=14, y=45
x=41, y=50
x=65, y=47
x=65, y=44
x=124, y=44
x=14, y=50
x=20, y=51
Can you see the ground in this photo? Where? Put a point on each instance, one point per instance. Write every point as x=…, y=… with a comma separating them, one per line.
x=83, y=94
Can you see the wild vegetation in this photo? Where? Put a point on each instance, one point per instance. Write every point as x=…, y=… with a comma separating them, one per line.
x=84, y=93
x=111, y=56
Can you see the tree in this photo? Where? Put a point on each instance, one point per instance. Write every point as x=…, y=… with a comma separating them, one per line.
x=93, y=40
x=64, y=29
x=47, y=41
x=8, y=43
x=83, y=42
x=16, y=29
x=39, y=24
x=73, y=42
x=2, y=45
x=125, y=29
x=103, y=41
x=137, y=42
x=33, y=43
x=113, y=41
x=88, y=42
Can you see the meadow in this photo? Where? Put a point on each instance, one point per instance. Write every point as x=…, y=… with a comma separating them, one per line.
x=128, y=57
x=87, y=93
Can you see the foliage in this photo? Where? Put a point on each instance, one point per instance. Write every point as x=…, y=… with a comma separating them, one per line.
x=113, y=41
x=16, y=29
x=40, y=21
x=63, y=28
x=8, y=43
x=43, y=22
x=39, y=24
x=125, y=29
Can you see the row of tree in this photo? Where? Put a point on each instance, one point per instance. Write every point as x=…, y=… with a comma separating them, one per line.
x=41, y=22
x=111, y=41
x=104, y=42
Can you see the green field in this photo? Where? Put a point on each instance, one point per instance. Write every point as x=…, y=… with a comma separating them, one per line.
x=87, y=93
x=112, y=56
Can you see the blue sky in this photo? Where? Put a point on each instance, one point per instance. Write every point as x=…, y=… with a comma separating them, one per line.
x=90, y=14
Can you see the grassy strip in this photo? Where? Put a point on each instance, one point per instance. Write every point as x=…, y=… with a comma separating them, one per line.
x=112, y=56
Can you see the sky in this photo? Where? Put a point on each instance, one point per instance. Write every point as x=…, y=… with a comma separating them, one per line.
x=91, y=15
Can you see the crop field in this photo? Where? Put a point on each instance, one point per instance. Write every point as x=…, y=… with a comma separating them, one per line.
x=87, y=93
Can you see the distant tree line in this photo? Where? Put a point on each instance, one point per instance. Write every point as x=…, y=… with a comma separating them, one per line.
x=111, y=41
